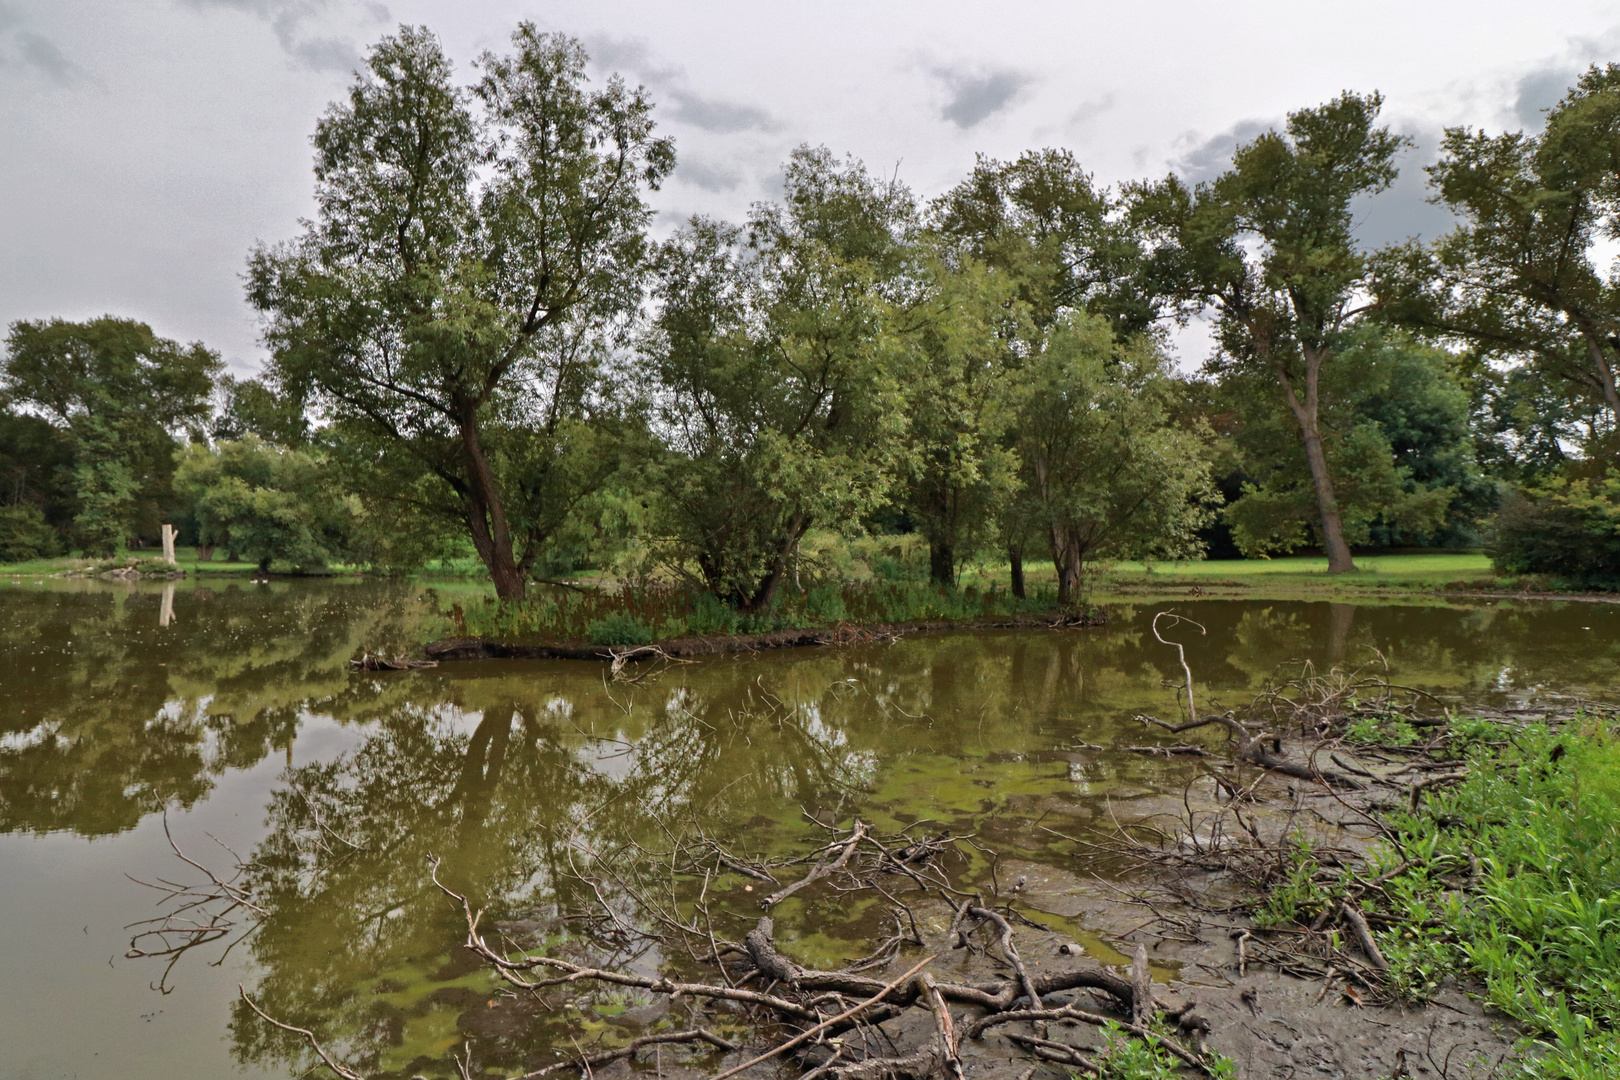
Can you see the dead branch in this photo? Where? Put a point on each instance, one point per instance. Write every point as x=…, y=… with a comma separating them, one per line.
x=821, y=869
x=806, y=1035
x=320, y=1051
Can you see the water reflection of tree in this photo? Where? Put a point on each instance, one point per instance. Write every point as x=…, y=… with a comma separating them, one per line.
x=110, y=716
x=517, y=779
x=358, y=944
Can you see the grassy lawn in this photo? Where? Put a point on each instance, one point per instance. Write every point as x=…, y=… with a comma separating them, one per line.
x=1455, y=571
x=1437, y=568
x=187, y=558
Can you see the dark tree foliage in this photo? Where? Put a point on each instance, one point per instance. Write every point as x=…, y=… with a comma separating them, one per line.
x=1519, y=278
x=120, y=396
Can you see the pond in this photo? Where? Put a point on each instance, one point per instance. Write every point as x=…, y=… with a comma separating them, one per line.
x=227, y=714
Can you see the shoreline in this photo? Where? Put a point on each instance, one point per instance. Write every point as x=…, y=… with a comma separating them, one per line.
x=481, y=648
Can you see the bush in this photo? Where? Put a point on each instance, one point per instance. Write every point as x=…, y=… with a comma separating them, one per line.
x=24, y=534
x=618, y=628
x=1569, y=530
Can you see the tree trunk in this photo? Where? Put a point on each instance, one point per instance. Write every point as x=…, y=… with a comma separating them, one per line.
x=1327, y=504
x=941, y=563
x=765, y=595
x=1067, y=559
x=1015, y=563
x=1338, y=552
x=205, y=553
x=486, y=513
x=1605, y=373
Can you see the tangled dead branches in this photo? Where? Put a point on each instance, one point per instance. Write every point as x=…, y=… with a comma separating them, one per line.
x=841, y=1024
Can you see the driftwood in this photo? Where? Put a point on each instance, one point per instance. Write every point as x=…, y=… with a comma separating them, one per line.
x=1260, y=748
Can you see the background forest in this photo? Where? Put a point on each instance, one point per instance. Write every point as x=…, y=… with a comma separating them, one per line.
x=481, y=355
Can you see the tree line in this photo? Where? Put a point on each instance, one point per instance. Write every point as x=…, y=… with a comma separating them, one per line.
x=477, y=342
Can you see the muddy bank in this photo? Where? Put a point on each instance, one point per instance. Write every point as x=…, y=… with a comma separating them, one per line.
x=480, y=648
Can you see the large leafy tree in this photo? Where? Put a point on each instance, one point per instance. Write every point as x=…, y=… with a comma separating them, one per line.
x=473, y=251
x=1108, y=472
x=1269, y=247
x=1394, y=421
x=1063, y=245
x=121, y=395
x=960, y=469
x=1519, y=278
x=778, y=373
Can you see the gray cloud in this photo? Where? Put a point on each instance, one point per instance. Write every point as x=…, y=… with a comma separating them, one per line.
x=33, y=51
x=1087, y=111
x=1540, y=91
x=288, y=19
x=685, y=104
x=977, y=95
x=1208, y=159
x=720, y=117
x=1403, y=210
x=41, y=54
x=709, y=177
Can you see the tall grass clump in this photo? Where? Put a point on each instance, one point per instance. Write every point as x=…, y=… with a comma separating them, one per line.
x=636, y=614
x=1534, y=830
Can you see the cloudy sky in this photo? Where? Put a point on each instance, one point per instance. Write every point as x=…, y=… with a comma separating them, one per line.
x=145, y=145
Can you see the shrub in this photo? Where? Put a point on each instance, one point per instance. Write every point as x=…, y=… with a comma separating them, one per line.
x=1569, y=530
x=24, y=534
x=618, y=628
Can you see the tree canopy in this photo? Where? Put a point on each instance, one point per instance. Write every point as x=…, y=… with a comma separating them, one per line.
x=473, y=252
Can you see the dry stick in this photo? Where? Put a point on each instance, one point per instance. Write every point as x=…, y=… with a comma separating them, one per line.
x=346, y=1073
x=944, y=1025
x=1141, y=989
x=804, y=1036
x=508, y=969
x=1181, y=653
x=821, y=869
x=1059, y=1053
x=588, y=1062
x=1010, y=951
x=1364, y=938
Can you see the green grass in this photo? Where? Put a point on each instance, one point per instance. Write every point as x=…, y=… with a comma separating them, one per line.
x=186, y=557
x=1439, y=567
x=1513, y=876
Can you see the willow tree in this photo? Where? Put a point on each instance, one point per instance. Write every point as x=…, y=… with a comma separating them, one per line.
x=472, y=250
x=1109, y=473
x=1519, y=278
x=777, y=374
x=1061, y=245
x=960, y=471
x=1269, y=247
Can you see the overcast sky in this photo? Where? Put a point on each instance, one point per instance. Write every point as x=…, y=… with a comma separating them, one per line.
x=145, y=145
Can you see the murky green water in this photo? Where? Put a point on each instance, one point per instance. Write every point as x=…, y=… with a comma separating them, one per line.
x=237, y=712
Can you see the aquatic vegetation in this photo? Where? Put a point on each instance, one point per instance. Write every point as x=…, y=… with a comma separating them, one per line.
x=636, y=615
